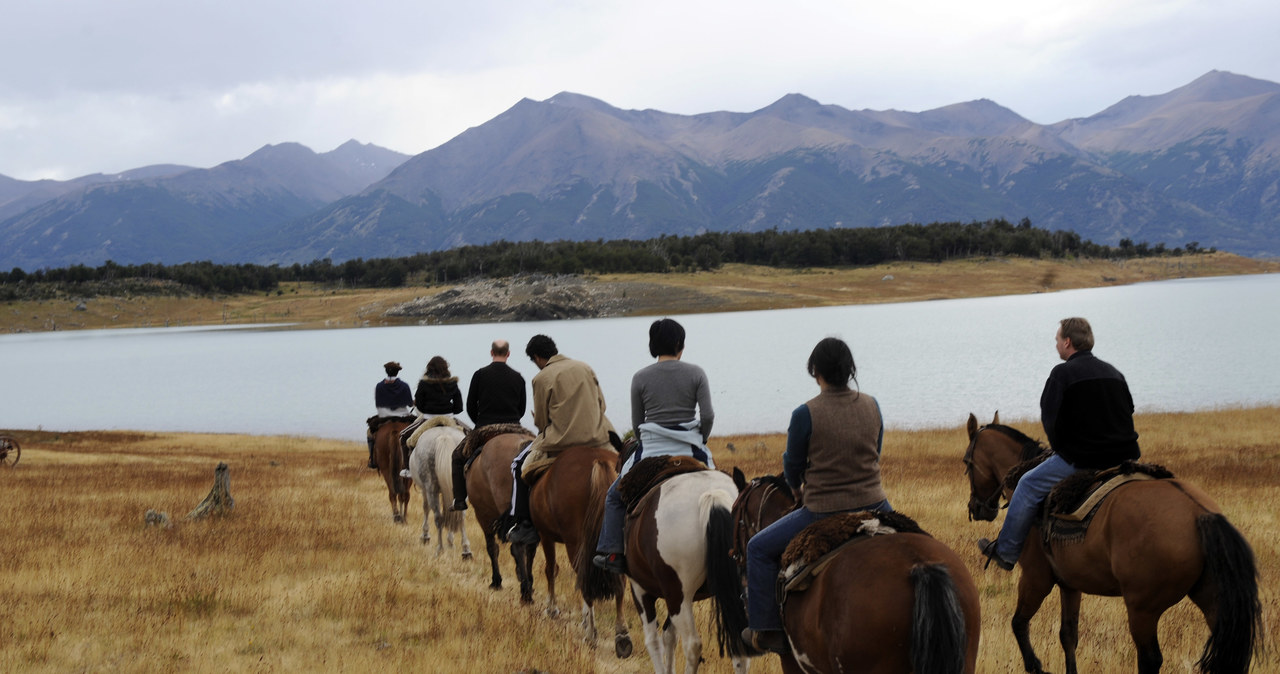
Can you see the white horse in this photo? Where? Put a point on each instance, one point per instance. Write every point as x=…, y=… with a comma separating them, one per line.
x=431, y=468
x=679, y=541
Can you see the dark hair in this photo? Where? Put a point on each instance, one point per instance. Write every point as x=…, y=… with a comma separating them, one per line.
x=540, y=346
x=438, y=367
x=833, y=361
x=666, y=338
x=391, y=368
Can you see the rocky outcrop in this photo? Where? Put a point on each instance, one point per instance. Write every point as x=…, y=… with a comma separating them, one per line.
x=530, y=297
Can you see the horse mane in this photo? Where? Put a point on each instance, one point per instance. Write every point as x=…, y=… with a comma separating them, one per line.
x=777, y=482
x=1031, y=448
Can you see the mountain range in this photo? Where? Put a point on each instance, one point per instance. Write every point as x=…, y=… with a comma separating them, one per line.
x=1199, y=164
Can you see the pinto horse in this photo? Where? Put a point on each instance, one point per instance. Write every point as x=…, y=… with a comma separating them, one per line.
x=386, y=447
x=567, y=506
x=1151, y=542
x=431, y=467
x=896, y=603
x=678, y=542
x=489, y=491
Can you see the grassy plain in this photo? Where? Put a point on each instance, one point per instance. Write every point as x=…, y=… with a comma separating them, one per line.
x=734, y=287
x=309, y=573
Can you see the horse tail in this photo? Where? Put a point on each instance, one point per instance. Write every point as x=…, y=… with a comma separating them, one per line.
x=441, y=469
x=723, y=582
x=595, y=582
x=1230, y=567
x=937, y=622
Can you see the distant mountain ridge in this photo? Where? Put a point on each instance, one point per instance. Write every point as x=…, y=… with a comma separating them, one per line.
x=1200, y=163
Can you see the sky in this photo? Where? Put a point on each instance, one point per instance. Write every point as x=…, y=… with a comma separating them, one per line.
x=88, y=86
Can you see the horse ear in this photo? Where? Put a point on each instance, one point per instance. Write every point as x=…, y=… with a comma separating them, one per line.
x=996, y=419
x=739, y=479
x=972, y=425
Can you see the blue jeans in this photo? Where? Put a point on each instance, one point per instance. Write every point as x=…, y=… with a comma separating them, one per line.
x=614, y=514
x=764, y=556
x=1027, y=497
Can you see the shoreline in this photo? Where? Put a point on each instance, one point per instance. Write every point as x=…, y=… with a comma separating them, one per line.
x=731, y=288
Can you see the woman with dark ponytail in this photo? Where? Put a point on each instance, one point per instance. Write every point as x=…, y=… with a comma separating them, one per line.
x=833, y=461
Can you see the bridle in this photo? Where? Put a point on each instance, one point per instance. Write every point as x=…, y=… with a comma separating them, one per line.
x=985, y=509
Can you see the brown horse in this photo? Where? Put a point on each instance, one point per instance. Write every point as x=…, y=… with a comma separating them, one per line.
x=489, y=491
x=567, y=506
x=1151, y=542
x=897, y=603
x=386, y=447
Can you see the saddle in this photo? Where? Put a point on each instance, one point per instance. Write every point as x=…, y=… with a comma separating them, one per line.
x=409, y=436
x=817, y=545
x=1072, y=504
x=375, y=422
x=651, y=472
x=478, y=438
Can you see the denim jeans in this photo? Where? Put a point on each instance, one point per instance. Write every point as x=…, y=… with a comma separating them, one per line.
x=764, y=556
x=1027, y=496
x=614, y=514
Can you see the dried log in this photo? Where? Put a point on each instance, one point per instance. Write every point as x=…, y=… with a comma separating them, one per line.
x=219, y=501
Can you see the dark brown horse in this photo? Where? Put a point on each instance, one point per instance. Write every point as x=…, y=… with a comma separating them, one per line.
x=386, y=447
x=567, y=507
x=489, y=490
x=679, y=550
x=1151, y=542
x=896, y=603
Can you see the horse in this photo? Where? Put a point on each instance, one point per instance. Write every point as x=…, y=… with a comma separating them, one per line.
x=489, y=491
x=567, y=506
x=896, y=603
x=386, y=447
x=678, y=543
x=1151, y=542
x=430, y=464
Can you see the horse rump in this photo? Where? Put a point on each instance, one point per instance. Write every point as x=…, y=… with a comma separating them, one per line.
x=938, y=638
x=1230, y=567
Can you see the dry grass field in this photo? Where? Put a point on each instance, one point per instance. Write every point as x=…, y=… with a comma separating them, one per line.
x=309, y=573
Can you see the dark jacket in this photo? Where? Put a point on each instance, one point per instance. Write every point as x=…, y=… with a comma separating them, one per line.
x=496, y=395
x=438, y=396
x=1087, y=413
x=392, y=394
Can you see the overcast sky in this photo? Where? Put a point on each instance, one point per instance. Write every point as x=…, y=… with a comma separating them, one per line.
x=88, y=86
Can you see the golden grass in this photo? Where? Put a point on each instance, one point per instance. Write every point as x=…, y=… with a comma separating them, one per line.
x=734, y=287
x=309, y=573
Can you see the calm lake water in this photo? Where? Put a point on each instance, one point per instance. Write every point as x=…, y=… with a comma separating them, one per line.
x=1183, y=345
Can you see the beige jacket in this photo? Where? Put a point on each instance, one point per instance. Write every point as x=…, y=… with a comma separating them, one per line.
x=568, y=407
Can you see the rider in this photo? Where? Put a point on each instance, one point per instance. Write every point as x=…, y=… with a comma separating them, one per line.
x=833, y=455
x=568, y=411
x=437, y=395
x=392, y=398
x=1087, y=413
x=666, y=398
x=495, y=396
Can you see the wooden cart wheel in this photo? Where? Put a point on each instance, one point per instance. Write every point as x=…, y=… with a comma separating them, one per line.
x=10, y=451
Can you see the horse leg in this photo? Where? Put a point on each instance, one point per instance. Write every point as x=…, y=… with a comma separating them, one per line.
x=1032, y=591
x=621, y=638
x=687, y=629
x=523, y=556
x=1142, y=627
x=647, y=607
x=549, y=551
x=1069, y=629
x=426, y=519
x=589, y=633
x=491, y=547
x=466, y=542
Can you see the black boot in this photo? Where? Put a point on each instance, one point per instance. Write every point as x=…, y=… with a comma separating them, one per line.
x=523, y=532
x=373, y=461
x=459, y=479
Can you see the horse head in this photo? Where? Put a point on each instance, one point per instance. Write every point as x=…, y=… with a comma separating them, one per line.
x=760, y=503
x=994, y=450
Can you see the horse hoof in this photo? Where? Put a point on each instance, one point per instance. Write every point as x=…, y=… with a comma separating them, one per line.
x=466, y=555
x=622, y=646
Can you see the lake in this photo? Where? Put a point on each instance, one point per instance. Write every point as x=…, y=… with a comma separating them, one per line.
x=1188, y=344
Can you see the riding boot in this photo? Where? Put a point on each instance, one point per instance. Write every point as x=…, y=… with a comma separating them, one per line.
x=459, y=479
x=373, y=460
x=523, y=531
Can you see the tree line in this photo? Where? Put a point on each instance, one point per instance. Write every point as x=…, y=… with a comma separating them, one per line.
x=936, y=242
